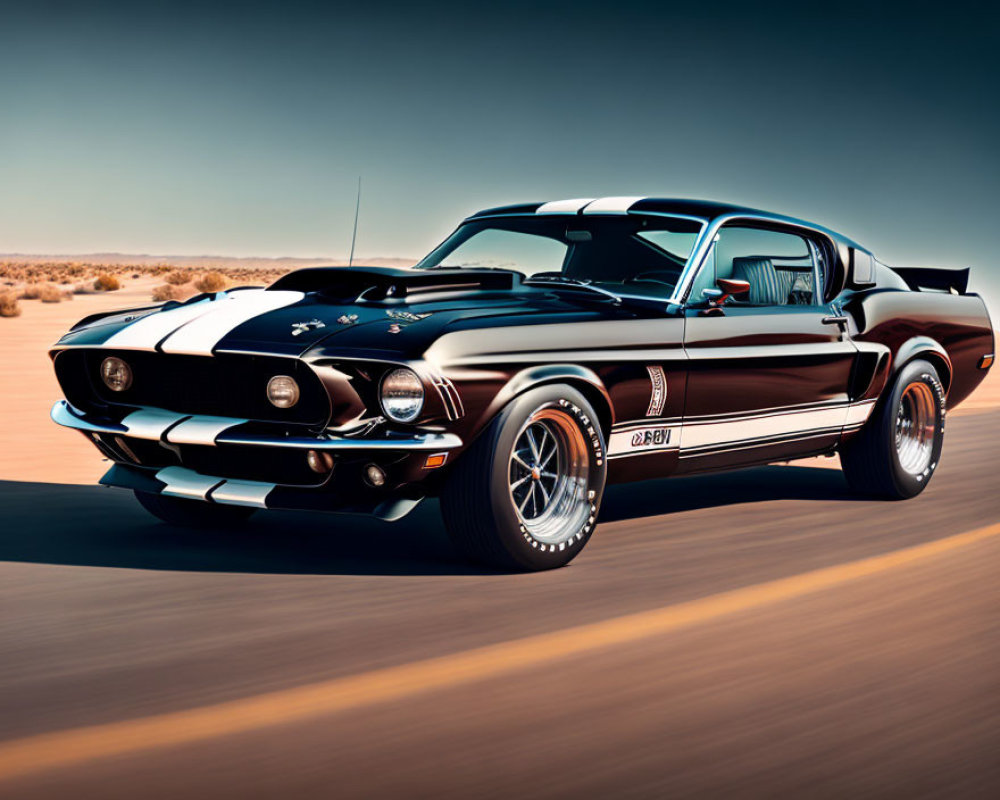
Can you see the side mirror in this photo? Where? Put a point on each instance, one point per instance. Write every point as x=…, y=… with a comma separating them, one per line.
x=728, y=287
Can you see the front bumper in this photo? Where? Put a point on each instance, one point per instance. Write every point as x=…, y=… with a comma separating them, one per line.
x=177, y=447
x=167, y=426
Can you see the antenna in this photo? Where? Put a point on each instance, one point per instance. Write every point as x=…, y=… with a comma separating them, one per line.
x=354, y=236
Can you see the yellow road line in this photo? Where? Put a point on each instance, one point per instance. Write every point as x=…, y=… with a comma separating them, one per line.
x=34, y=754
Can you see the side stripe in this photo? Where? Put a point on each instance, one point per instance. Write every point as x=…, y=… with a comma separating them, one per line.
x=702, y=436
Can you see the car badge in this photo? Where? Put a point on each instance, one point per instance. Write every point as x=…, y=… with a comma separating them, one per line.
x=657, y=391
x=347, y=319
x=302, y=327
x=406, y=316
x=395, y=328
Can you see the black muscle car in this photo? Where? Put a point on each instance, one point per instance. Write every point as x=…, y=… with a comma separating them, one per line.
x=540, y=352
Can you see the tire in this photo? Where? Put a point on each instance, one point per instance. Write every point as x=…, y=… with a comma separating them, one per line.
x=499, y=512
x=186, y=513
x=895, y=454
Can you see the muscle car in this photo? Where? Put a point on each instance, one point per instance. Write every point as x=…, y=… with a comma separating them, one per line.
x=537, y=354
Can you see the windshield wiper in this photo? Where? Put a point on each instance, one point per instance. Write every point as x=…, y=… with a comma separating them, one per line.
x=558, y=279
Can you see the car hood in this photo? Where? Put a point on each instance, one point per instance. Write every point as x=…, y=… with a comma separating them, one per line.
x=290, y=319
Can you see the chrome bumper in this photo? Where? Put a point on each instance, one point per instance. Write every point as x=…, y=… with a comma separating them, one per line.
x=157, y=424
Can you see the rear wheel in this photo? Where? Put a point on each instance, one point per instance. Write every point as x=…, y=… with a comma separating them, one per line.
x=526, y=494
x=187, y=513
x=896, y=452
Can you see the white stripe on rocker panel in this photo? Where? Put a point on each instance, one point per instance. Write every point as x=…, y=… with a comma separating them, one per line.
x=199, y=337
x=146, y=333
x=563, y=206
x=612, y=205
x=694, y=434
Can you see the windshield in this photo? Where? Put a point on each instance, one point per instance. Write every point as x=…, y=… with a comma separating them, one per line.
x=646, y=254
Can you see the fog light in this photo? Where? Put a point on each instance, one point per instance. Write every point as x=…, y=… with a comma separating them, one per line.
x=375, y=475
x=116, y=374
x=282, y=391
x=319, y=461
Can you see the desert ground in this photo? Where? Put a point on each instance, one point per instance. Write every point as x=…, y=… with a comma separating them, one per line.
x=757, y=633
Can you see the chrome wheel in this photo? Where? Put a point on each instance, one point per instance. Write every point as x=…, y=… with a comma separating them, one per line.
x=915, y=423
x=548, y=476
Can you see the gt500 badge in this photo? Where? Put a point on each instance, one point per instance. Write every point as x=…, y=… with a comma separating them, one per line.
x=650, y=437
x=632, y=441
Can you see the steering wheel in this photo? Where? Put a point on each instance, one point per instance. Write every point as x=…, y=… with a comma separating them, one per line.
x=653, y=276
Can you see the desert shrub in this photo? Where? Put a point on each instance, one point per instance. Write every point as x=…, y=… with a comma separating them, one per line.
x=212, y=282
x=9, y=307
x=107, y=283
x=31, y=291
x=178, y=278
x=50, y=294
x=84, y=288
x=164, y=293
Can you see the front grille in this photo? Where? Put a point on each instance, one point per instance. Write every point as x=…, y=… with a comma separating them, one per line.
x=228, y=385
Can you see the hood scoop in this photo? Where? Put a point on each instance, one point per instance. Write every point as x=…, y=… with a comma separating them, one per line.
x=385, y=283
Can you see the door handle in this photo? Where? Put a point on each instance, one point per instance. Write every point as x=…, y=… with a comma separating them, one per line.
x=837, y=319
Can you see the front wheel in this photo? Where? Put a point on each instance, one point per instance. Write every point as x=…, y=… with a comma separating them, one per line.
x=895, y=454
x=185, y=513
x=526, y=494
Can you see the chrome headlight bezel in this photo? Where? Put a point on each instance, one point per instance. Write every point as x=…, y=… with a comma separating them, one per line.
x=407, y=402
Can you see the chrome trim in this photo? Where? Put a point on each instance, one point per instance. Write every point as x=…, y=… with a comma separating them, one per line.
x=150, y=423
x=427, y=441
x=708, y=237
x=64, y=414
x=242, y=493
x=155, y=423
x=181, y=482
x=201, y=430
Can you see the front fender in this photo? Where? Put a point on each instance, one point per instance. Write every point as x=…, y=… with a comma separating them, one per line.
x=582, y=378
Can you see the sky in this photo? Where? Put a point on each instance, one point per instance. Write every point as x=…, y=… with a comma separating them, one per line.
x=242, y=128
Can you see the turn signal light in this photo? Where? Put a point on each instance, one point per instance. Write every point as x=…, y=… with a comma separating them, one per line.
x=986, y=361
x=435, y=461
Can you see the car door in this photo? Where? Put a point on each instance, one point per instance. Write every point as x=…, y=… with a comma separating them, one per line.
x=769, y=371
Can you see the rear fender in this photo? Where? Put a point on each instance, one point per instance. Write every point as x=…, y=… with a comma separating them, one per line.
x=927, y=348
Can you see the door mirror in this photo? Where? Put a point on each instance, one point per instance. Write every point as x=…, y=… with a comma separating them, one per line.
x=728, y=287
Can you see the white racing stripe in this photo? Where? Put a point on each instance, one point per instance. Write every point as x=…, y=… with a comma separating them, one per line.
x=757, y=429
x=563, y=206
x=146, y=333
x=612, y=205
x=200, y=336
x=695, y=434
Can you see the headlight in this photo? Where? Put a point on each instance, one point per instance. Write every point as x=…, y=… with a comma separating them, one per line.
x=282, y=391
x=402, y=395
x=116, y=374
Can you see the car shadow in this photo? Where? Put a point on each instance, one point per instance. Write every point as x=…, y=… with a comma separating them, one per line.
x=95, y=526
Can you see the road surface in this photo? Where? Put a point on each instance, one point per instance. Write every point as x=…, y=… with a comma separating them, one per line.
x=756, y=633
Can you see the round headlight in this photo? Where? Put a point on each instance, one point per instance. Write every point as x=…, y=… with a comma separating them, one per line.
x=282, y=391
x=116, y=374
x=402, y=395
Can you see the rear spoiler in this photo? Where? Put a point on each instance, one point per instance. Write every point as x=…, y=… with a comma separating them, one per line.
x=935, y=278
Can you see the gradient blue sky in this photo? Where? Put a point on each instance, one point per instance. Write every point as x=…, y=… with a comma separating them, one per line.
x=241, y=128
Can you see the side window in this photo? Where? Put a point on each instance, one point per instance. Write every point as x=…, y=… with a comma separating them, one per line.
x=780, y=267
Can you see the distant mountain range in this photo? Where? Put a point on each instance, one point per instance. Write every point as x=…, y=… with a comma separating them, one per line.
x=201, y=262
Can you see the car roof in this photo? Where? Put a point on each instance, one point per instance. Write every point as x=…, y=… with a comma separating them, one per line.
x=702, y=209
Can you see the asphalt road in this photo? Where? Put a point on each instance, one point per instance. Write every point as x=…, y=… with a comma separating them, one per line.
x=733, y=657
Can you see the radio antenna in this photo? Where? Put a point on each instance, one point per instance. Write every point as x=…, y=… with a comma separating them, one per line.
x=354, y=236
